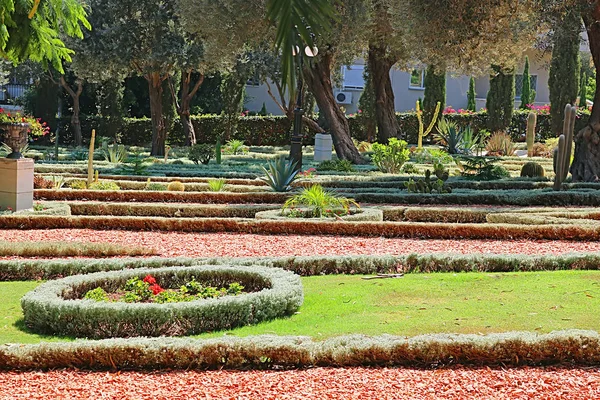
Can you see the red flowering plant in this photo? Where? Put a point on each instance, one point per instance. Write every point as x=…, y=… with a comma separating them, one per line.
x=36, y=126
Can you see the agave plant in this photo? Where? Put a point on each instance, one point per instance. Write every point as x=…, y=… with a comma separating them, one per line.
x=449, y=136
x=318, y=200
x=280, y=174
x=115, y=154
x=216, y=185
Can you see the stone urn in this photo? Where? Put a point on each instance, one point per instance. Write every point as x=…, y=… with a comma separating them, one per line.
x=15, y=137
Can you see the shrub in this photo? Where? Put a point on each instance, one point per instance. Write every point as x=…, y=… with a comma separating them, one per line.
x=235, y=147
x=541, y=150
x=336, y=165
x=500, y=144
x=78, y=184
x=280, y=174
x=319, y=200
x=216, y=185
x=176, y=186
x=53, y=307
x=39, y=182
x=155, y=186
x=390, y=158
x=104, y=185
x=201, y=153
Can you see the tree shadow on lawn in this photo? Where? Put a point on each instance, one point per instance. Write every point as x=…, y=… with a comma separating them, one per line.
x=21, y=327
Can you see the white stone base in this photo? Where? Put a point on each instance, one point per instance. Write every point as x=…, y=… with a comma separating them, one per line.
x=16, y=184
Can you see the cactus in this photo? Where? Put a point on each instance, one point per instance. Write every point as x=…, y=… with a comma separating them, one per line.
x=531, y=121
x=96, y=174
x=167, y=150
x=91, y=159
x=562, y=154
x=532, y=169
x=423, y=133
x=218, y=151
x=427, y=185
x=176, y=186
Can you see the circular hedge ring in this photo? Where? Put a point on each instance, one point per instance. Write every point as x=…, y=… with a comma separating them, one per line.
x=56, y=307
x=363, y=214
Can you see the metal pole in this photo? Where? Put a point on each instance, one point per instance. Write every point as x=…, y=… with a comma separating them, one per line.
x=296, y=139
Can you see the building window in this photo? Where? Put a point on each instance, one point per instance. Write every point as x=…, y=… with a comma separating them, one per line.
x=417, y=79
x=253, y=81
x=519, y=84
x=353, y=77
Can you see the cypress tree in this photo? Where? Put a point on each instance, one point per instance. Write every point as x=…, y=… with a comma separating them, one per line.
x=563, y=80
x=366, y=105
x=471, y=95
x=583, y=90
x=526, y=95
x=500, y=100
x=435, y=90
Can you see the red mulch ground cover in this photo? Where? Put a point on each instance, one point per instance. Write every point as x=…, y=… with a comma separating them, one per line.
x=317, y=383
x=177, y=244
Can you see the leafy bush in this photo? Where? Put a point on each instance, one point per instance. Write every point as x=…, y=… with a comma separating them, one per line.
x=481, y=168
x=39, y=182
x=176, y=186
x=336, y=165
x=500, y=144
x=280, y=174
x=155, y=186
x=201, y=153
x=391, y=157
x=319, y=200
x=235, y=147
x=216, y=185
x=78, y=184
x=104, y=185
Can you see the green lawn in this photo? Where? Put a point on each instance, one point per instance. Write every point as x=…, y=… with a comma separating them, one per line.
x=414, y=304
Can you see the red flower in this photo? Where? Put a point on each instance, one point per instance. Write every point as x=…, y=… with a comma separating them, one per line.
x=150, y=280
x=156, y=289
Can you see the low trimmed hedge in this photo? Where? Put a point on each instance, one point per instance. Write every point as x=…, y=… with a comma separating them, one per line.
x=363, y=214
x=536, y=219
x=56, y=307
x=162, y=179
x=21, y=270
x=513, y=349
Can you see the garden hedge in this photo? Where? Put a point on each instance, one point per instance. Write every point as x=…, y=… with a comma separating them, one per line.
x=20, y=270
x=56, y=307
x=292, y=227
x=275, y=130
x=513, y=349
x=363, y=214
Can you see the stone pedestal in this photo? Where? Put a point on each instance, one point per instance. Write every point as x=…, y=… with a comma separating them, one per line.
x=16, y=184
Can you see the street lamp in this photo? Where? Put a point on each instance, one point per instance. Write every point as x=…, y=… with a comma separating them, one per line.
x=296, y=139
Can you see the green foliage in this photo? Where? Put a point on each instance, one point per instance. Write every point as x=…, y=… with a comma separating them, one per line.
x=481, y=168
x=366, y=106
x=435, y=91
x=201, y=153
x=500, y=144
x=391, y=157
x=409, y=168
x=233, y=86
x=456, y=140
x=280, y=174
x=216, y=185
x=471, y=106
x=78, y=184
x=318, y=200
x=97, y=294
x=583, y=89
x=104, y=185
x=532, y=169
x=336, y=165
x=500, y=99
x=235, y=147
x=114, y=154
x=176, y=186
x=427, y=185
x=526, y=93
x=138, y=167
x=565, y=65
x=159, y=187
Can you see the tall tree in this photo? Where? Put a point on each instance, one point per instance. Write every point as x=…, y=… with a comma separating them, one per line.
x=435, y=91
x=583, y=89
x=471, y=105
x=563, y=79
x=526, y=94
x=500, y=100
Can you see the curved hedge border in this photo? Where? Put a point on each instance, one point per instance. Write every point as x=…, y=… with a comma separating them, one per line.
x=21, y=270
x=365, y=214
x=53, y=307
x=511, y=349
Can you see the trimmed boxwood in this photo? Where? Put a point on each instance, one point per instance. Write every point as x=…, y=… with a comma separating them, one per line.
x=363, y=214
x=55, y=307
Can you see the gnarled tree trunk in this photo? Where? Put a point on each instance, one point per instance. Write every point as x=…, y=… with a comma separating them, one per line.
x=586, y=163
x=183, y=105
x=318, y=78
x=159, y=129
x=380, y=64
x=75, y=121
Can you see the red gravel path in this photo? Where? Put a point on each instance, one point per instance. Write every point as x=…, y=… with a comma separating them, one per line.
x=176, y=244
x=318, y=383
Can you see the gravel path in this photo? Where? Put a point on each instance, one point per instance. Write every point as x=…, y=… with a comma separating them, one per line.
x=317, y=383
x=176, y=244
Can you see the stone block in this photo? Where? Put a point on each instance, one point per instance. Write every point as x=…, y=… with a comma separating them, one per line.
x=16, y=184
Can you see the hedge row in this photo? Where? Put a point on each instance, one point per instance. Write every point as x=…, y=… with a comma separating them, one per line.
x=56, y=307
x=22, y=270
x=161, y=179
x=511, y=349
x=340, y=228
x=275, y=130
x=167, y=197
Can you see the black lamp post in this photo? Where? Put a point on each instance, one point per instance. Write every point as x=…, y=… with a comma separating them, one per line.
x=296, y=139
